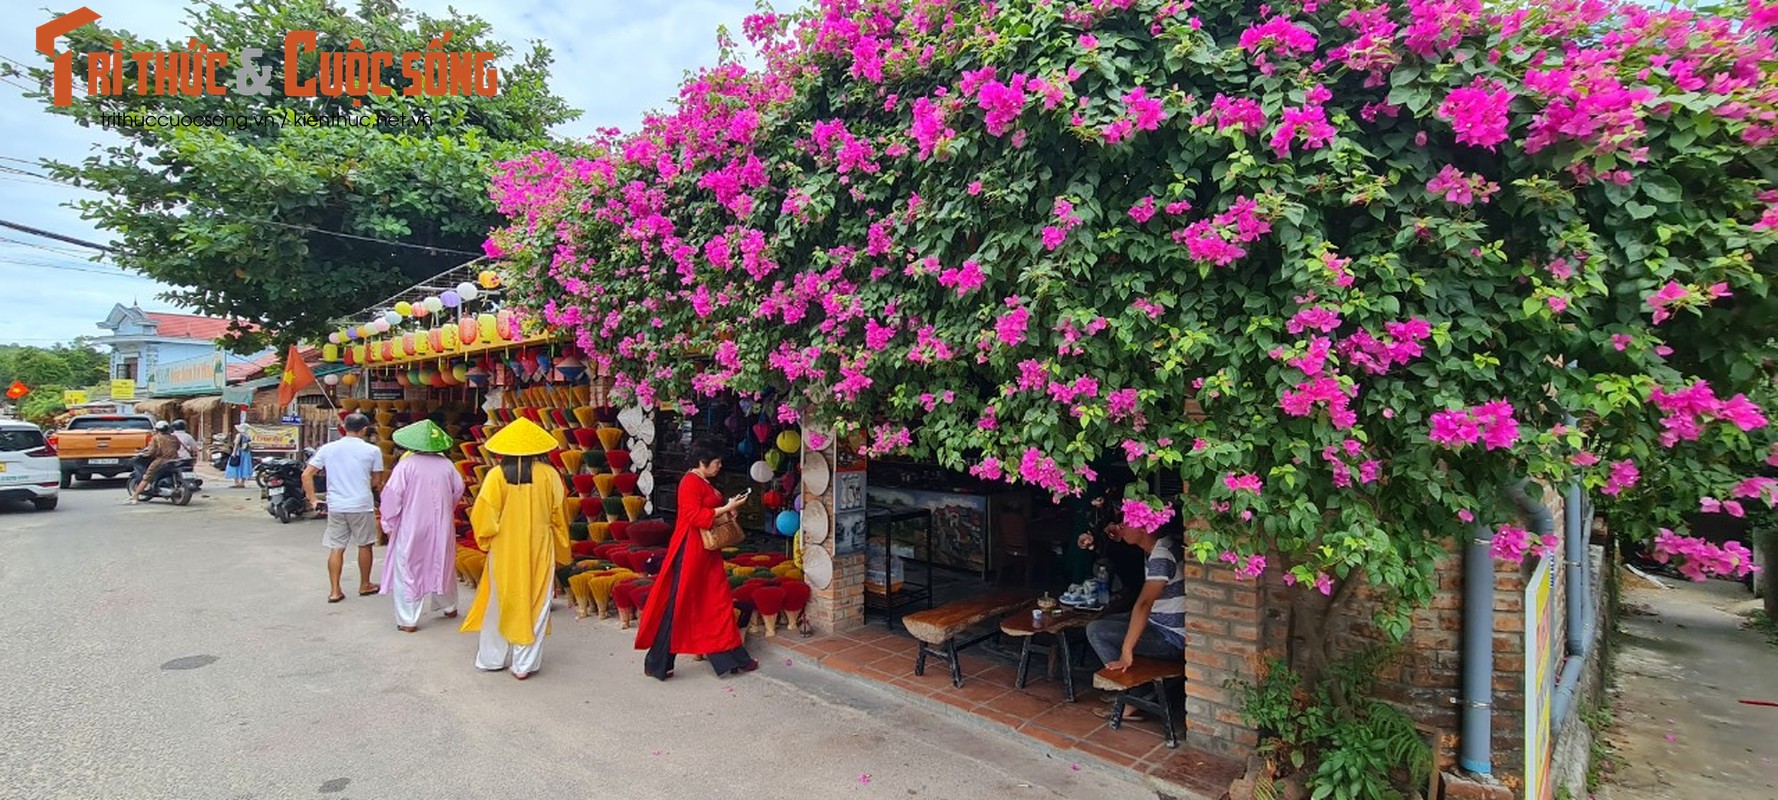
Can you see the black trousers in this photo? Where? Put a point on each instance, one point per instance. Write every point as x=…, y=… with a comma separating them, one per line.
x=659, y=661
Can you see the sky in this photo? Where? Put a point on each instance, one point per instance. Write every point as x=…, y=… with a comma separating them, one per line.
x=614, y=61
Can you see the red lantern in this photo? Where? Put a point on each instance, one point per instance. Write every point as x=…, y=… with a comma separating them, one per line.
x=407, y=344
x=436, y=339
x=467, y=330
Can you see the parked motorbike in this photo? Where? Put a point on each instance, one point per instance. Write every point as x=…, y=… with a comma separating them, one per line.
x=175, y=482
x=281, y=481
x=219, y=451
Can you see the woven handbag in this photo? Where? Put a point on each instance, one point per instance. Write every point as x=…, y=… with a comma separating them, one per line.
x=725, y=533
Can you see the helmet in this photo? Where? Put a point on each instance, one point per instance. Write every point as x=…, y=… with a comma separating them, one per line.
x=162, y=426
x=178, y=424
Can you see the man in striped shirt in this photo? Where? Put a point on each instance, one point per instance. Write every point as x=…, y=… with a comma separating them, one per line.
x=1155, y=627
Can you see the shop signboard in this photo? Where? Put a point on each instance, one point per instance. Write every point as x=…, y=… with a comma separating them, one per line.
x=73, y=397
x=1541, y=652
x=123, y=389
x=274, y=437
x=191, y=376
x=385, y=390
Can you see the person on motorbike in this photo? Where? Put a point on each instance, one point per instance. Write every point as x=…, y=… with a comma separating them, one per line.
x=162, y=450
x=188, y=444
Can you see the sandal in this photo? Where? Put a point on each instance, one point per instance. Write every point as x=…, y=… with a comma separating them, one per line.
x=368, y=592
x=407, y=628
x=336, y=599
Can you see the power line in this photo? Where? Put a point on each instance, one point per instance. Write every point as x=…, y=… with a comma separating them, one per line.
x=433, y=248
x=63, y=268
x=56, y=236
x=44, y=247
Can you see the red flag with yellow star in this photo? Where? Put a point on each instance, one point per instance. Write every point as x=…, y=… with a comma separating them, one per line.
x=297, y=376
x=17, y=390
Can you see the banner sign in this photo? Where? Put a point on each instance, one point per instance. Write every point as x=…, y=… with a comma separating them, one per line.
x=274, y=437
x=123, y=389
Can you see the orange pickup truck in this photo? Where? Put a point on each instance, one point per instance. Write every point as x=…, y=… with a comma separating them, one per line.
x=100, y=445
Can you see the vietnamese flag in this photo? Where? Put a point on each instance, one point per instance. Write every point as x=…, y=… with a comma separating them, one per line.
x=297, y=376
x=17, y=390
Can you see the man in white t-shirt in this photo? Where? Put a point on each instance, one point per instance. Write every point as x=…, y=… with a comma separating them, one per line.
x=354, y=470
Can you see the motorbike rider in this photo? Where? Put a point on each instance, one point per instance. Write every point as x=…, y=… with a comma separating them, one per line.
x=188, y=444
x=162, y=450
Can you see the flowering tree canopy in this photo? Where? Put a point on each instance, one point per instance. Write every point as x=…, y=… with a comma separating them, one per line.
x=1344, y=267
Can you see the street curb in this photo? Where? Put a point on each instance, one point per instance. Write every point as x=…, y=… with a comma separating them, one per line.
x=1166, y=789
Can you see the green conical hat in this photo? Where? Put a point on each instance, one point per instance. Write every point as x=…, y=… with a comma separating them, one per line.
x=423, y=437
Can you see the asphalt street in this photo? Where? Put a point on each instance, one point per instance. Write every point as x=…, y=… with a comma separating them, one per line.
x=163, y=652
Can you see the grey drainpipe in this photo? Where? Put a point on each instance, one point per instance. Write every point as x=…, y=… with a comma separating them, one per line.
x=1577, y=513
x=1476, y=746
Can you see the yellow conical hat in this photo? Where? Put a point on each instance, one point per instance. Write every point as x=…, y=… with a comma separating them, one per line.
x=521, y=437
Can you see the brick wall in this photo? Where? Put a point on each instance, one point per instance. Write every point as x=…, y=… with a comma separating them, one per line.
x=1223, y=638
x=1233, y=624
x=840, y=607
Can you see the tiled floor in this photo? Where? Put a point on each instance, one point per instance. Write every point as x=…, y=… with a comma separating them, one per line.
x=1037, y=711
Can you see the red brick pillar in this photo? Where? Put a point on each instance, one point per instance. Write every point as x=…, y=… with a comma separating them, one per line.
x=1222, y=641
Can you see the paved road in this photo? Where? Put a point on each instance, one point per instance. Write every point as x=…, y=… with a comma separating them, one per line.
x=162, y=652
x=1684, y=664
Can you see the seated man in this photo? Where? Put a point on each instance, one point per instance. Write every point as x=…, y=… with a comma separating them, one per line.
x=1155, y=627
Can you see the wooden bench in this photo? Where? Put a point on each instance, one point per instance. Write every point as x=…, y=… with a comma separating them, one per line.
x=1144, y=671
x=938, y=628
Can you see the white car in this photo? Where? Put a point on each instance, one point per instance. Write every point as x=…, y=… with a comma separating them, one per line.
x=29, y=468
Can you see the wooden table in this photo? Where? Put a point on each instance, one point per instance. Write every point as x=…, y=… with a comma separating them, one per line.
x=1057, y=624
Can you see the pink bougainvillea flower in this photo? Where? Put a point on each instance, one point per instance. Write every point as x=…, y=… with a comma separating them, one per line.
x=1141, y=514
x=1624, y=475
x=1478, y=112
x=1465, y=515
x=1243, y=482
x=1510, y=543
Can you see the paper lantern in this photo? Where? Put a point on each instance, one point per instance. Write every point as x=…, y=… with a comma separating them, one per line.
x=364, y=331
x=466, y=331
x=489, y=279
x=404, y=308
x=789, y=522
x=401, y=377
x=351, y=334
x=789, y=441
x=392, y=318
x=346, y=356
x=503, y=324
x=543, y=364
x=760, y=472
x=421, y=311
x=330, y=352
x=379, y=325
x=331, y=380
x=433, y=304
x=435, y=340
x=460, y=373
x=334, y=338
x=388, y=349
x=487, y=327
x=450, y=299
x=467, y=291
x=448, y=337
x=349, y=379
x=408, y=345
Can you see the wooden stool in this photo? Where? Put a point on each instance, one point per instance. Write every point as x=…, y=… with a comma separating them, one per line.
x=1152, y=671
x=938, y=628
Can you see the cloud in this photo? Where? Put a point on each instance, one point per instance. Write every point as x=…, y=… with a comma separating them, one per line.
x=615, y=61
